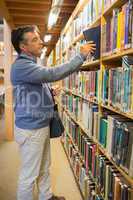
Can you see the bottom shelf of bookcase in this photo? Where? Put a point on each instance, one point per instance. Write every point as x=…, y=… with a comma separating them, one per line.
x=122, y=171
x=72, y=171
x=101, y=149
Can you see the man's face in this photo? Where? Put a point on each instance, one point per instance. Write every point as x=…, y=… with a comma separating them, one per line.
x=32, y=44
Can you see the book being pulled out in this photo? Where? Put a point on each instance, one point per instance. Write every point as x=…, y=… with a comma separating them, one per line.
x=94, y=34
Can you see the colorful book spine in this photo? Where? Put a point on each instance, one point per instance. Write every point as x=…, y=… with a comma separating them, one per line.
x=115, y=28
x=103, y=131
x=82, y=110
x=83, y=83
x=128, y=24
x=117, y=32
x=117, y=85
x=110, y=182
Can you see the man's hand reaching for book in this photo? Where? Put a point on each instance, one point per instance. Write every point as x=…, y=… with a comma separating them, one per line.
x=87, y=48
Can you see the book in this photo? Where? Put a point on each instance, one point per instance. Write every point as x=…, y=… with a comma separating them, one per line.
x=103, y=131
x=128, y=24
x=117, y=89
x=94, y=34
x=117, y=30
x=117, y=188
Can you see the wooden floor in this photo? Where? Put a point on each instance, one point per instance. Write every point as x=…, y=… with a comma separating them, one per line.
x=63, y=182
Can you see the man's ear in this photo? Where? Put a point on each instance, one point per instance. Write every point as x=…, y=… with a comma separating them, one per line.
x=22, y=47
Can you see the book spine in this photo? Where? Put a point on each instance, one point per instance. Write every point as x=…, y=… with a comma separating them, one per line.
x=127, y=15
x=115, y=27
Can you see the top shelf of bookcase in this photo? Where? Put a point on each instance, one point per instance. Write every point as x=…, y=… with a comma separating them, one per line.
x=78, y=9
x=116, y=4
x=81, y=36
x=82, y=3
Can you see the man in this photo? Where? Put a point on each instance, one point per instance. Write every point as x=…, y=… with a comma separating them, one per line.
x=34, y=108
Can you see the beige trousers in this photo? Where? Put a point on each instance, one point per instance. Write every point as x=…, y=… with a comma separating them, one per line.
x=34, y=148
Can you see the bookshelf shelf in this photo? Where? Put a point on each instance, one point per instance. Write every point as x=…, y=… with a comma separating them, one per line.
x=80, y=36
x=117, y=56
x=78, y=9
x=116, y=110
x=81, y=158
x=91, y=100
x=78, y=122
x=130, y=180
x=76, y=148
x=117, y=3
x=77, y=39
x=90, y=65
x=104, y=72
x=72, y=169
x=94, y=23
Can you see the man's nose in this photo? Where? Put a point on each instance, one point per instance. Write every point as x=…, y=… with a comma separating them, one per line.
x=42, y=43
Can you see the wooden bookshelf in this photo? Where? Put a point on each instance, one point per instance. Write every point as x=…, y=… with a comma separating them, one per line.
x=94, y=23
x=117, y=3
x=78, y=122
x=81, y=157
x=77, y=39
x=90, y=65
x=76, y=148
x=125, y=175
x=78, y=9
x=80, y=36
x=116, y=110
x=109, y=60
x=89, y=99
x=72, y=170
x=117, y=55
x=103, y=150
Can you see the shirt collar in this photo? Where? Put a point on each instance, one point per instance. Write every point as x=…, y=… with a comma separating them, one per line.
x=24, y=55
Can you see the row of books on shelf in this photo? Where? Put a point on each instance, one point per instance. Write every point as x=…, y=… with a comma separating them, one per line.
x=91, y=11
x=106, y=182
x=117, y=31
x=80, y=108
x=117, y=86
x=83, y=83
x=107, y=4
x=72, y=51
x=87, y=185
x=113, y=132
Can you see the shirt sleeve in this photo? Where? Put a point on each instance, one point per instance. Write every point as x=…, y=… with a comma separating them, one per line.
x=30, y=72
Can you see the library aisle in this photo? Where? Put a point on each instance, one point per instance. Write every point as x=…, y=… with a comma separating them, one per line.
x=63, y=182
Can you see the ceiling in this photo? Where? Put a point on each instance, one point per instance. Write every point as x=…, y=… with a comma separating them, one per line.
x=22, y=12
